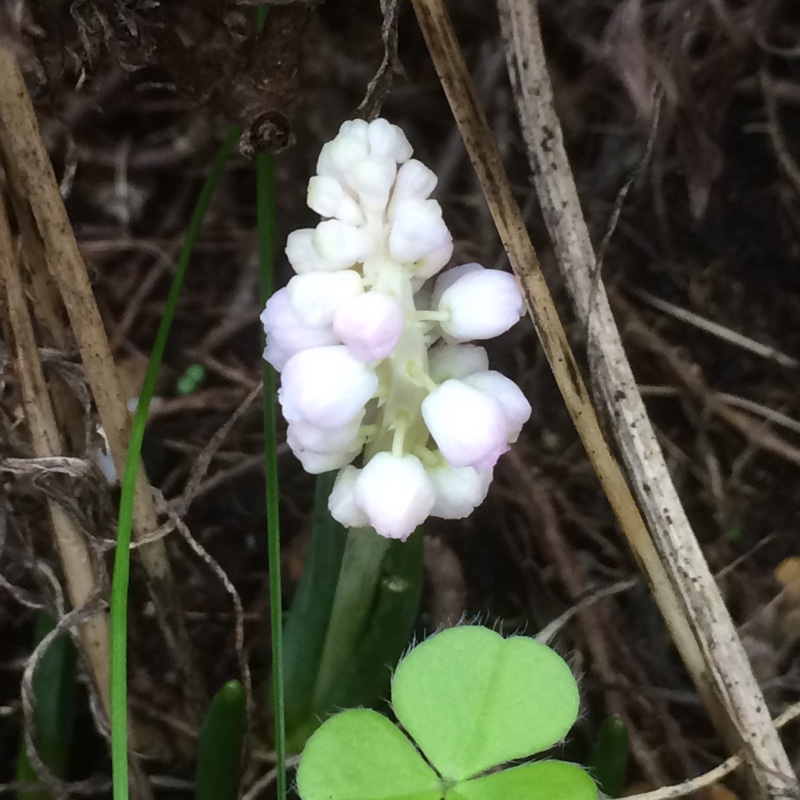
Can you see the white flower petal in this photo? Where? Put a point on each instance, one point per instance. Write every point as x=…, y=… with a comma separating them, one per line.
x=395, y=493
x=286, y=332
x=326, y=386
x=326, y=441
x=459, y=490
x=370, y=325
x=318, y=295
x=481, y=304
x=515, y=405
x=388, y=141
x=329, y=198
x=414, y=180
x=341, y=244
x=317, y=463
x=417, y=230
x=372, y=180
x=456, y=361
x=448, y=278
x=469, y=427
x=302, y=254
x=341, y=502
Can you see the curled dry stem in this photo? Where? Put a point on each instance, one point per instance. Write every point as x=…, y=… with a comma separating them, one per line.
x=671, y=557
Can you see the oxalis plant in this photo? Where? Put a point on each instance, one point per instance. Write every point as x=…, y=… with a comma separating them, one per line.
x=382, y=382
x=469, y=701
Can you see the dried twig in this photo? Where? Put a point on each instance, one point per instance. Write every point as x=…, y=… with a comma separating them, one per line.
x=690, y=601
x=34, y=188
x=678, y=574
x=82, y=573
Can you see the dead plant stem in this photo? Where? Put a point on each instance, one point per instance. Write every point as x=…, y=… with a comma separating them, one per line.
x=32, y=181
x=675, y=569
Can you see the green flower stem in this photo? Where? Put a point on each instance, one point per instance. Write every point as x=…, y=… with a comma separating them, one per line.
x=352, y=604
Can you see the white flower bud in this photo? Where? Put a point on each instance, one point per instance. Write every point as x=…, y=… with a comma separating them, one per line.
x=515, y=405
x=436, y=258
x=317, y=296
x=395, y=493
x=302, y=254
x=414, y=181
x=469, y=427
x=341, y=502
x=418, y=229
x=372, y=180
x=482, y=304
x=325, y=440
x=459, y=490
x=286, y=333
x=317, y=463
x=370, y=325
x=349, y=147
x=329, y=198
x=387, y=141
x=341, y=244
x=448, y=278
x=456, y=361
x=326, y=386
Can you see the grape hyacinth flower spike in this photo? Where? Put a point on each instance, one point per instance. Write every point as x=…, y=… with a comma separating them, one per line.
x=376, y=364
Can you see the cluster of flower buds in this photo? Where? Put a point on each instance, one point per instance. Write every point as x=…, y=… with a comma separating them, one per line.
x=375, y=357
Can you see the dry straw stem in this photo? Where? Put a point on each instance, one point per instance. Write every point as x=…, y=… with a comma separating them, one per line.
x=32, y=181
x=672, y=560
x=724, y=677
x=82, y=576
x=83, y=582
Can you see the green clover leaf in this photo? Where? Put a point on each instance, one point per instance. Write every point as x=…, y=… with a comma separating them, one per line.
x=471, y=701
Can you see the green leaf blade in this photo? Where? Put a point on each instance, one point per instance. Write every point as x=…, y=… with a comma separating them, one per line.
x=544, y=780
x=219, y=754
x=609, y=759
x=472, y=700
x=361, y=755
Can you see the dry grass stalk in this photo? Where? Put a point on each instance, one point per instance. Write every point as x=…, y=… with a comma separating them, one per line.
x=31, y=179
x=724, y=676
x=82, y=578
x=677, y=572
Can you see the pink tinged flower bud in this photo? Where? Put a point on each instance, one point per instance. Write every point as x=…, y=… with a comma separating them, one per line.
x=418, y=229
x=395, y=493
x=459, y=490
x=387, y=141
x=329, y=198
x=468, y=426
x=302, y=254
x=515, y=405
x=325, y=386
x=341, y=502
x=370, y=325
x=317, y=463
x=286, y=332
x=456, y=361
x=414, y=180
x=372, y=180
x=340, y=244
x=325, y=440
x=318, y=295
x=481, y=304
